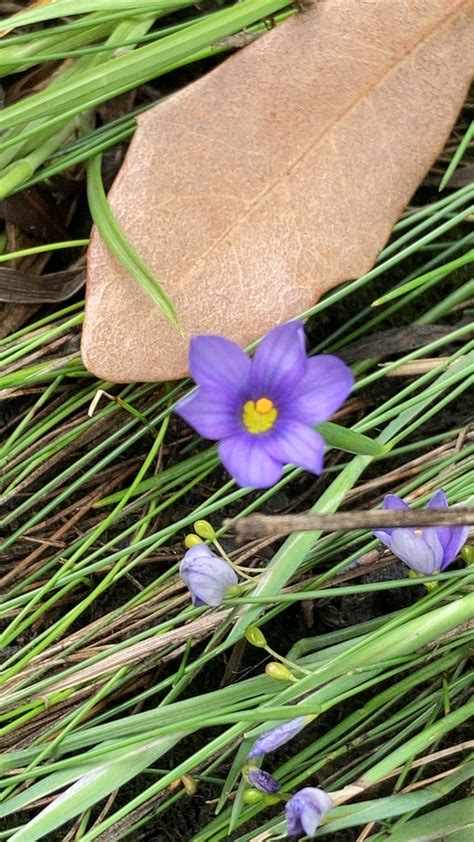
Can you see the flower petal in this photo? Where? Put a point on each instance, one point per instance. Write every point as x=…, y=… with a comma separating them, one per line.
x=263, y=780
x=214, y=415
x=216, y=362
x=305, y=810
x=324, y=388
x=423, y=553
x=279, y=362
x=296, y=443
x=310, y=819
x=245, y=458
x=452, y=539
x=278, y=736
x=384, y=535
x=391, y=501
x=207, y=576
x=438, y=500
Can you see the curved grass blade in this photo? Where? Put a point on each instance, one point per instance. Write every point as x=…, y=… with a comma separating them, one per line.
x=116, y=241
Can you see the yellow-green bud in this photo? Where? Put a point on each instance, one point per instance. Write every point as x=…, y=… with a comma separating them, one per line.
x=205, y=530
x=279, y=671
x=467, y=553
x=431, y=586
x=192, y=540
x=190, y=784
x=256, y=637
x=252, y=796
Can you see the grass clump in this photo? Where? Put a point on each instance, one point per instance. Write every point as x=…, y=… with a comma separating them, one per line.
x=119, y=699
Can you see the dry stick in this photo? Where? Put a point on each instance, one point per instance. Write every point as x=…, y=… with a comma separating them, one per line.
x=278, y=525
x=409, y=468
x=349, y=792
x=429, y=758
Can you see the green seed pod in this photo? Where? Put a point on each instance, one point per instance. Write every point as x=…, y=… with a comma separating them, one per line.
x=252, y=796
x=205, y=530
x=256, y=637
x=270, y=800
x=192, y=540
x=279, y=671
x=467, y=553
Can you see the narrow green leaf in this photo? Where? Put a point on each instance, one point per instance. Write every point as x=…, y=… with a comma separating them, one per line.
x=127, y=71
x=348, y=440
x=61, y=8
x=13, y=255
x=116, y=241
x=421, y=741
x=439, y=824
x=439, y=273
x=97, y=783
x=453, y=164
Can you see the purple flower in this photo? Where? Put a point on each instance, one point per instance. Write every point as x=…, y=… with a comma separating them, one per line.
x=262, y=410
x=426, y=550
x=271, y=740
x=306, y=809
x=262, y=780
x=207, y=576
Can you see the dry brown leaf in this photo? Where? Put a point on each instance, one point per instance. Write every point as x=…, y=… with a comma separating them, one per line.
x=26, y=287
x=276, y=176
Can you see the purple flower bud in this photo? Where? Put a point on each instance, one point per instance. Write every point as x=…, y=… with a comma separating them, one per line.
x=305, y=810
x=262, y=780
x=207, y=576
x=278, y=736
x=426, y=550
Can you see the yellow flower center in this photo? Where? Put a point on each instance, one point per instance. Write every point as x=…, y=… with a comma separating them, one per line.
x=259, y=416
x=418, y=531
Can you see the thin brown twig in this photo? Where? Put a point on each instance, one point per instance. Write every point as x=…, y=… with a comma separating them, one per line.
x=278, y=525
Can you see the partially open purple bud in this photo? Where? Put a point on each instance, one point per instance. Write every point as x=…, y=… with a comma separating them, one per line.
x=425, y=550
x=305, y=810
x=207, y=576
x=271, y=740
x=262, y=780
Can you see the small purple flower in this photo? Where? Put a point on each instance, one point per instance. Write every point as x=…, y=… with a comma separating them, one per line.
x=426, y=550
x=271, y=740
x=262, y=410
x=306, y=809
x=207, y=576
x=262, y=780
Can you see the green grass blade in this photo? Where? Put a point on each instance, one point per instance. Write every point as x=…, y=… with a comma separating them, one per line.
x=117, y=243
x=349, y=440
x=438, y=273
x=453, y=165
x=439, y=824
x=91, y=787
x=61, y=8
